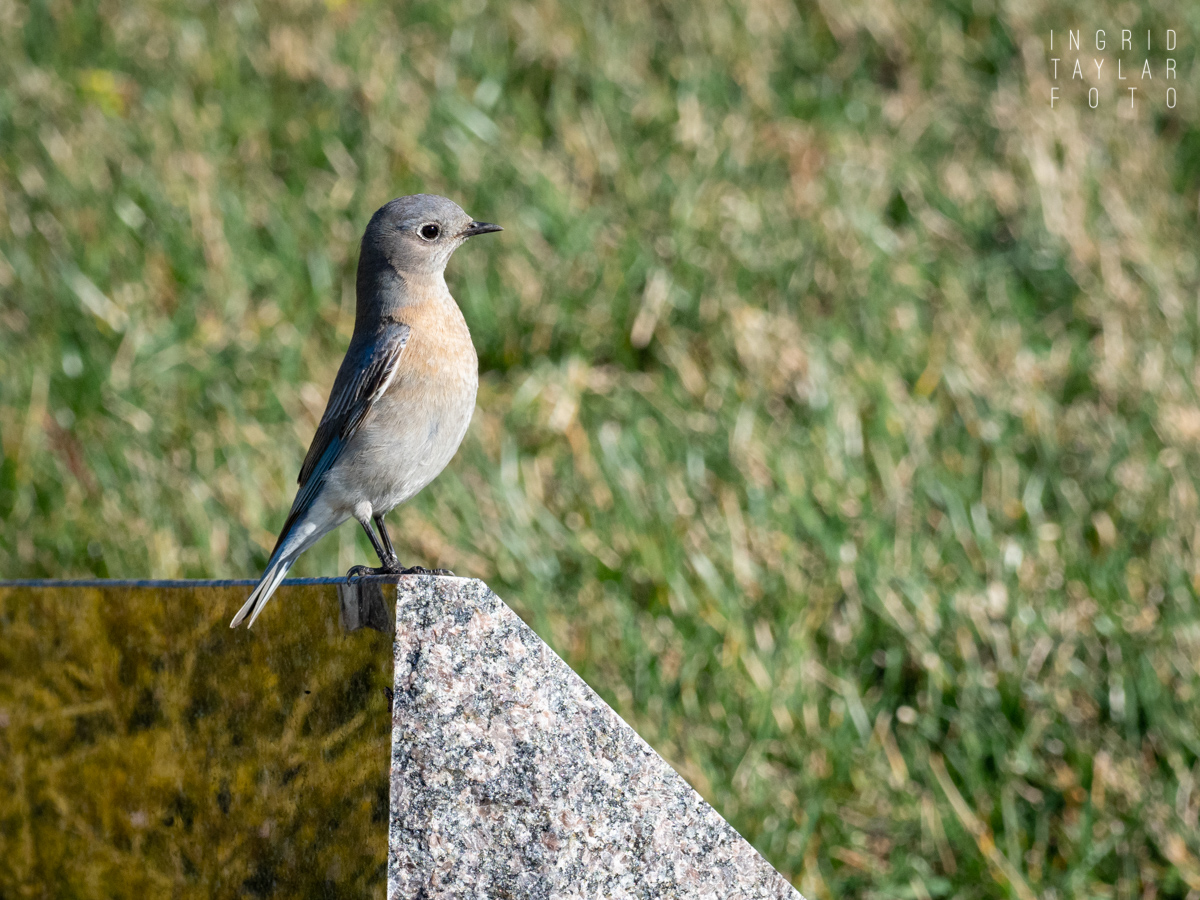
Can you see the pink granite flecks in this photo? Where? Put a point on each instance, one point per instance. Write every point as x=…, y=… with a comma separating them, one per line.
x=512, y=779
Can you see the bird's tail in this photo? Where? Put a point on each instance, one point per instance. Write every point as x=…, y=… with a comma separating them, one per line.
x=296, y=539
x=271, y=579
x=306, y=524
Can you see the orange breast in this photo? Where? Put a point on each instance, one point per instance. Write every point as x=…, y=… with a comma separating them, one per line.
x=439, y=350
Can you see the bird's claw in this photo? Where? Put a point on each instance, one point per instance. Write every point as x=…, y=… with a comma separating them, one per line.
x=421, y=570
x=396, y=569
x=363, y=571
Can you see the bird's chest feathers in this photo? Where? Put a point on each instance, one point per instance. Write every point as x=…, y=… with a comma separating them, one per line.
x=430, y=400
x=415, y=427
x=439, y=361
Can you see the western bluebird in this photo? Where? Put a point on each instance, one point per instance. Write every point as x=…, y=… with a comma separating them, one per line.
x=403, y=397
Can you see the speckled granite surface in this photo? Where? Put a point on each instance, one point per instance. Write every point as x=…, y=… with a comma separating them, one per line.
x=512, y=779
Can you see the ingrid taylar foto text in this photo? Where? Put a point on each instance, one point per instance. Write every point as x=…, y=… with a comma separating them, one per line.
x=1116, y=80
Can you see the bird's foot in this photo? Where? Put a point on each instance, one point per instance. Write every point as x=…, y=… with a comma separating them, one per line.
x=394, y=569
x=363, y=571
x=421, y=570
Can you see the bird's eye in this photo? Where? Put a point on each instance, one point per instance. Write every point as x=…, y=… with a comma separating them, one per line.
x=430, y=232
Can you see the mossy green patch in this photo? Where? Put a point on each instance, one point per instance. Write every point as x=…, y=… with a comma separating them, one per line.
x=152, y=751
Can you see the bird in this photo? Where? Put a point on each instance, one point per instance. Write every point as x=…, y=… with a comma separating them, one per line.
x=403, y=397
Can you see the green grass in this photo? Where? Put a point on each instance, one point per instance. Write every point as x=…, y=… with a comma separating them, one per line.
x=839, y=414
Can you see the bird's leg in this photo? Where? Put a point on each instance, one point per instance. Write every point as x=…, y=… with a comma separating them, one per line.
x=411, y=570
x=387, y=541
x=387, y=556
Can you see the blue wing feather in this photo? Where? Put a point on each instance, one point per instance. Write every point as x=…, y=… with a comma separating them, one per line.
x=369, y=366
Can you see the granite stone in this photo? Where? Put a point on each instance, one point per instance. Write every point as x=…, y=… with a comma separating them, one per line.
x=511, y=778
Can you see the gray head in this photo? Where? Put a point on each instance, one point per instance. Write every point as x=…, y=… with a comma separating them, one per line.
x=415, y=235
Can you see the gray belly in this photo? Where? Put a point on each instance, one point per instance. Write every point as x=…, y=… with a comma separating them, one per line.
x=407, y=439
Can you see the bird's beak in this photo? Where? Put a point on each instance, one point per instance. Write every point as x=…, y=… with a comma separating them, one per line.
x=480, y=228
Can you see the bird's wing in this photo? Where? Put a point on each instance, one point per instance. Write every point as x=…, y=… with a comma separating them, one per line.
x=365, y=375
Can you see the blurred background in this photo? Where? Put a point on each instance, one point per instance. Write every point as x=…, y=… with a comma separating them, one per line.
x=838, y=418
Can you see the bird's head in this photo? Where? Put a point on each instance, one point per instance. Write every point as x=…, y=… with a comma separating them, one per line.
x=417, y=234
